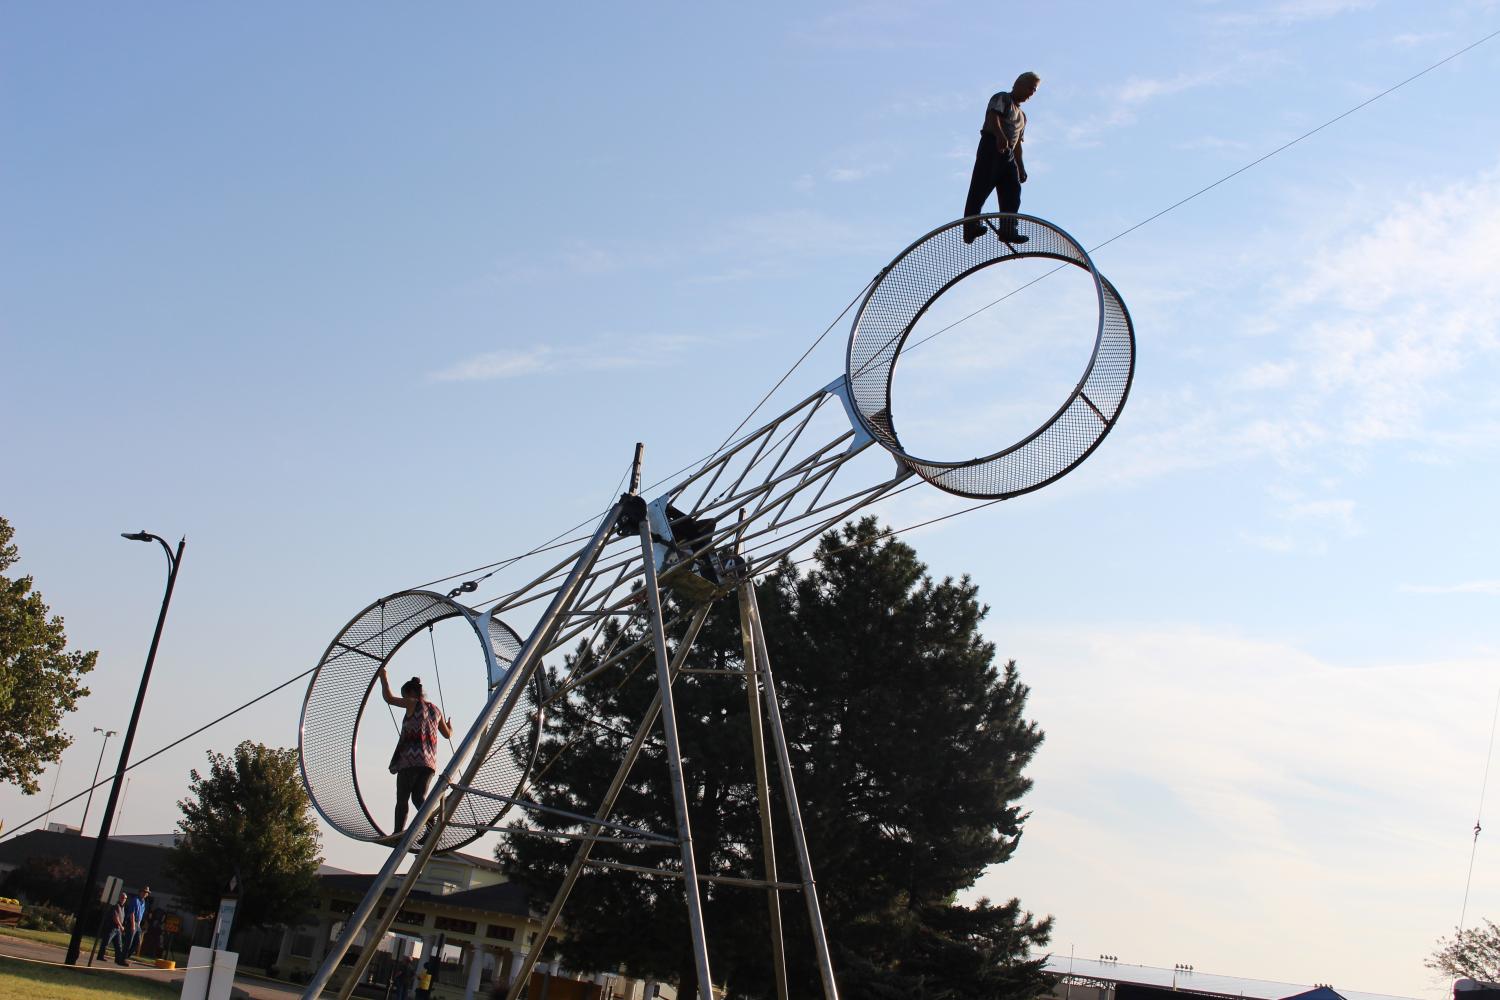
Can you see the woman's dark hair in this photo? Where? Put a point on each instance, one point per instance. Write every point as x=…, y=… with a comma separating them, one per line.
x=412, y=688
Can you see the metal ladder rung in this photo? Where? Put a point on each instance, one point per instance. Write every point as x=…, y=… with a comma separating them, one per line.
x=748, y=883
x=565, y=814
x=562, y=835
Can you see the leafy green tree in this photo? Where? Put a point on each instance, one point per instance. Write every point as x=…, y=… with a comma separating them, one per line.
x=249, y=820
x=1474, y=953
x=909, y=745
x=39, y=678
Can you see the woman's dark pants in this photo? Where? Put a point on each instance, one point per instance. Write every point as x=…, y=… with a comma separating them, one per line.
x=411, y=786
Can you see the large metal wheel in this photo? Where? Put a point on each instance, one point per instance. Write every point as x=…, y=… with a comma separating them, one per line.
x=908, y=287
x=339, y=696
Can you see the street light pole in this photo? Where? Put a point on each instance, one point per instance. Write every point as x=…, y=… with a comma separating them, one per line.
x=88, y=803
x=56, y=776
x=174, y=561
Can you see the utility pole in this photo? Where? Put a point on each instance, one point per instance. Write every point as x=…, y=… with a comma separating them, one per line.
x=174, y=560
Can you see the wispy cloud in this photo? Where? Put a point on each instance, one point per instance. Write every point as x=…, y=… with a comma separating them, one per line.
x=1293, y=12
x=1395, y=320
x=746, y=245
x=546, y=360
x=1487, y=587
x=1371, y=335
x=929, y=105
x=1214, y=144
x=581, y=259
x=1181, y=756
x=1268, y=375
x=497, y=364
x=843, y=175
x=1310, y=523
x=789, y=233
x=1281, y=544
x=881, y=25
x=1123, y=102
x=1413, y=39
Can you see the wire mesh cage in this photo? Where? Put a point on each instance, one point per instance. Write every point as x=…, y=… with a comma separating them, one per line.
x=339, y=697
x=909, y=286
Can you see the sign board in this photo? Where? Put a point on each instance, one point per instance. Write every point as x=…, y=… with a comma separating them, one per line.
x=172, y=924
x=112, y=887
x=210, y=974
x=224, y=922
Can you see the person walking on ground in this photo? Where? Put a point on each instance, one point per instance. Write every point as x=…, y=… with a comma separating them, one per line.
x=403, y=976
x=998, y=164
x=133, y=910
x=115, y=919
x=138, y=907
x=415, y=759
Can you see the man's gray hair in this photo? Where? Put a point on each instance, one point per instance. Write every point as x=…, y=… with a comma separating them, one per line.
x=1026, y=77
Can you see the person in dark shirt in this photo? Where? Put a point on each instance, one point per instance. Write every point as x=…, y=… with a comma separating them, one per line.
x=998, y=164
x=115, y=921
x=403, y=976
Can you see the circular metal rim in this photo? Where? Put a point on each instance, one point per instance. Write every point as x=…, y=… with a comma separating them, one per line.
x=458, y=611
x=1079, y=459
x=473, y=620
x=889, y=439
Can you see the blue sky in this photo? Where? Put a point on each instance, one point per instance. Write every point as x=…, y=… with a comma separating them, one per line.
x=355, y=296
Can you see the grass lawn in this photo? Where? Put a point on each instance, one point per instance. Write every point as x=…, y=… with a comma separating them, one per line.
x=30, y=981
x=60, y=938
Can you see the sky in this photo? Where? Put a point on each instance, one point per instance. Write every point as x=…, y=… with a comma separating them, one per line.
x=357, y=296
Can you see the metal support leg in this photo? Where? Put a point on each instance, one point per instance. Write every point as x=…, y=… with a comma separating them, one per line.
x=471, y=752
x=762, y=789
x=674, y=768
x=581, y=858
x=789, y=791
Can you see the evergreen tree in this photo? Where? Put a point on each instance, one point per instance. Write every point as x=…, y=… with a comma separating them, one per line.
x=908, y=744
x=249, y=820
x=39, y=679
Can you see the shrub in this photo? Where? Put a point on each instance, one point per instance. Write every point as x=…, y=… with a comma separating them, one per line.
x=41, y=917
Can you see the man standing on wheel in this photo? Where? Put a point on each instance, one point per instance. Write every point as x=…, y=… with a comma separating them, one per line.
x=998, y=165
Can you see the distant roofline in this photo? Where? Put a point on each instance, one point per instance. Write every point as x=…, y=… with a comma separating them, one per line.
x=489, y=864
x=1191, y=981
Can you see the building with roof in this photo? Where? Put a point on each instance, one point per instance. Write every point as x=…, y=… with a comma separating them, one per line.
x=1110, y=979
x=461, y=909
x=138, y=864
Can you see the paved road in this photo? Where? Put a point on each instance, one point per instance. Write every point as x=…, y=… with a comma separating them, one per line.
x=245, y=987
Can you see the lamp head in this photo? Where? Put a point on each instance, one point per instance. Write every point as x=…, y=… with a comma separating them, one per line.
x=137, y=536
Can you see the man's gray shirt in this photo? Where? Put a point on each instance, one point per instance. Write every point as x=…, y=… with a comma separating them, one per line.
x=1012, y=118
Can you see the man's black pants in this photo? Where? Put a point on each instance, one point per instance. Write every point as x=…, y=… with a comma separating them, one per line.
x=992, y=172
x=411, y=786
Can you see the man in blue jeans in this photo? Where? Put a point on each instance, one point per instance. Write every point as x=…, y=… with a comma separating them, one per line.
x=998, y=165
x=114, y=919
x=136, y=908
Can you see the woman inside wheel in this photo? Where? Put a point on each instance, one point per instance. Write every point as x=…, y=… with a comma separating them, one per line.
x=415, y=758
